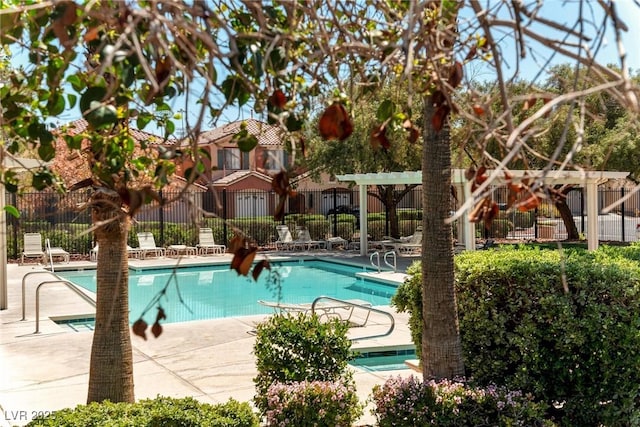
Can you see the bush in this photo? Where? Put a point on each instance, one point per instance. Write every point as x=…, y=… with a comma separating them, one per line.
x=315, y=403
x=291, y=349
x=409, y=402
x=574, y=348
x=161, y=411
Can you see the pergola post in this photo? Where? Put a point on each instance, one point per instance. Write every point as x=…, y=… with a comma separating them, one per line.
x=469, y=228
x=364, y=227
x=592, y=215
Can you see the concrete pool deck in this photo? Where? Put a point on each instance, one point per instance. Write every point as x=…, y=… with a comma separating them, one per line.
x=210, y=360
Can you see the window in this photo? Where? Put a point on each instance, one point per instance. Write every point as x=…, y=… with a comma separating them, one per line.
x=275, y=159
x=230, y=158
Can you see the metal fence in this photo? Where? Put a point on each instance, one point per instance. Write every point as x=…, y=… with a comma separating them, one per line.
x=62, y=219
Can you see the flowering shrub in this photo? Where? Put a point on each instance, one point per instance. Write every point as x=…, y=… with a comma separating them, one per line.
x=312, y=403
x=409, y=402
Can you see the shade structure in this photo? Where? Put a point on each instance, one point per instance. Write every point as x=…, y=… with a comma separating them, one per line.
x=590, y=180
x=15, y=164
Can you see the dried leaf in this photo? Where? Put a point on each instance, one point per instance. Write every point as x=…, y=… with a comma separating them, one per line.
x=139, y=328
x=455, y=76
x=414, y=132
x=335, y=123
x=439, y=117
x=379, y=138
x=478, y=110
x=91, y=34
x=156, y=329
x=438, y=98
x=278, y=99
x=490, y=213
x=529, y=203
x=163, y=69
x=280, y=183
x=264, y=264
x=236, y=243
x=242, y=260
x=472, y=53
x=161, y=314
x=470, y=173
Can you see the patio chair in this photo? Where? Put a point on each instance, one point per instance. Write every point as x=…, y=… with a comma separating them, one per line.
x=56, y=251
x=410, y=245
x=148, y=245
x=131, y=252
x=285, y=240
x=304, y=240
x=32, y=247
x=334, y=309
x=207, y=244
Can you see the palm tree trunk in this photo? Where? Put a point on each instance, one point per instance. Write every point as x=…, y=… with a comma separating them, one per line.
x=441, y=347
x=111, y=366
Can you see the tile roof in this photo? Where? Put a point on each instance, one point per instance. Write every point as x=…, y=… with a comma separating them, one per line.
x=238, y=176
x=81, y=125
x=266, y=133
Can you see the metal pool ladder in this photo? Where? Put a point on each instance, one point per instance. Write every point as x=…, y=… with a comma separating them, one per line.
x=67, y=283
x=330, y=307
x=376, y=264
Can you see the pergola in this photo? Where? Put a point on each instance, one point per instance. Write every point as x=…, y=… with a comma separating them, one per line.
x=590, y=180
x=16, y=164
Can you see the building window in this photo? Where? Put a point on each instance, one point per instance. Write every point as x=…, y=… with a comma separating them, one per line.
x=275, y=159
x=230, y=158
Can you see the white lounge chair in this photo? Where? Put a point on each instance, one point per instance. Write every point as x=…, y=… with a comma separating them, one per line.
x=304, y=240
x=285, y=240
x=148, y=245
x=32, y=247
x=410, y=245
x=207, y=244
x=131, y=252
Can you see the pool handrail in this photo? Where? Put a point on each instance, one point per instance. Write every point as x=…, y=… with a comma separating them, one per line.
x=69, y=285
x=24, y=283
x=354, y=305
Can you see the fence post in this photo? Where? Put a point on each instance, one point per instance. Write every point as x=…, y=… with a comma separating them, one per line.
x=161, y=221
x=582, y=210
x=335, y=215
x=622, y=216
x=224, y=215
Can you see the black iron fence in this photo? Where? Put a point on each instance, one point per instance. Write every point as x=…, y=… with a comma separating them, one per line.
x=334, y=212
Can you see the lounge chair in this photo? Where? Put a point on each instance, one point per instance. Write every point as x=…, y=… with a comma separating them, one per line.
x=131, y=252
x=55, y=252
x=148, y=245
x=285, y=240
x=410, y=245
x=304, y=240
x=32, y=247
x=207, y=244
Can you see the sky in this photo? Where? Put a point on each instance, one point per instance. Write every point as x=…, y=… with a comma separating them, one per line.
x=564, y=11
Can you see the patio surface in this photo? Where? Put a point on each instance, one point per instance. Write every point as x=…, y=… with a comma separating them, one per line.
x=210, y=360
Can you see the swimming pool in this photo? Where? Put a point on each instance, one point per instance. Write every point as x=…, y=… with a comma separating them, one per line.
x=213, y=292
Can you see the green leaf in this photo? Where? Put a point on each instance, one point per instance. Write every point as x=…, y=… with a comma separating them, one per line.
x=55, y=106
x=169, y=128
x=46, y=152
x=92, y=94
x=41, y=180
x=143, y=120
x=76, y=83
x=12, y=210
x=72, y=99
x=101, y=115
x=385, y=110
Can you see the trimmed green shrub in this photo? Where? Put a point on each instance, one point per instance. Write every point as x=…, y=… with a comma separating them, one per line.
x=290, y=349
x=376, y=229
x=376, y=216
x=410, y=402
x=409, y=214
x=562, y=326
x=161, y=411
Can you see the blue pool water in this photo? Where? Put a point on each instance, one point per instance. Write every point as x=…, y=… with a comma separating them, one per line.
x=213, y=292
